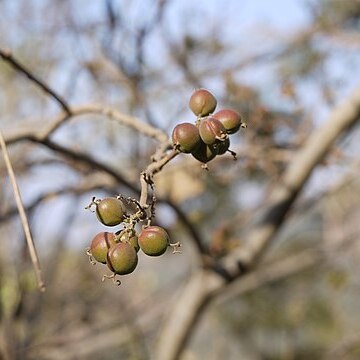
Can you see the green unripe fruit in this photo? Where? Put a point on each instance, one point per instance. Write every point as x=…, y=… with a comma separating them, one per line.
x=222, y=146
x=186, y=137
x=154, y=240
x=205, y=153
x=122, y=258
x=230, y=119
x=110, y=211
x=100, y=245
x=202, y=102
x=132, y=239
x=211, y=130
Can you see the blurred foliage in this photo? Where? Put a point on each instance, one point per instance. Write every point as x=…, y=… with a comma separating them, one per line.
x=282, y=83
x=345, y=14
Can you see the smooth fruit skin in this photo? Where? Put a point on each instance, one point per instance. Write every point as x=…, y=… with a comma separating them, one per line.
x=212, y=130
x=122, y=258
x=110, y=211
x=154, y=240
x=202, y=102
x=186, y=137
x=230, y=119
x=133, y=240
x=100, y=245
x=205, y=153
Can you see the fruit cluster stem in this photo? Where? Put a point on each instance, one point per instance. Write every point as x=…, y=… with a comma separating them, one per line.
x=146, y=177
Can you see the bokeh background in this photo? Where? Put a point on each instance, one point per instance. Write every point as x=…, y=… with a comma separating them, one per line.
x=284, y=65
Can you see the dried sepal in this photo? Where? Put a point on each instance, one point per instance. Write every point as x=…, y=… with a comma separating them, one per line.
x=230, y=119
x=212, y=130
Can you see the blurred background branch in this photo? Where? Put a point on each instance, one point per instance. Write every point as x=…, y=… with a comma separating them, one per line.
x=285, y=66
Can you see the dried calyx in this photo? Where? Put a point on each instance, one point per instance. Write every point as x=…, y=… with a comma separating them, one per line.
x=212, y=130
x=230, y=119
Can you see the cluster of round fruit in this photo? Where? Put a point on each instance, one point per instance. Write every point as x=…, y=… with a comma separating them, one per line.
x=210, y=134
x=119, y=250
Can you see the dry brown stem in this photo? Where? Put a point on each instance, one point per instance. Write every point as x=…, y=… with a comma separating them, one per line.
x=24, y=220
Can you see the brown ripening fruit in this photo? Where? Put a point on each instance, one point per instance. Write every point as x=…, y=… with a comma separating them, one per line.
x=186, y=137
x=212, y=130
x=205, y=153
x=110, y=211
x=154, y=240
x=122, y=258
x=100, y=245
x=202, y=102
x=230, y=119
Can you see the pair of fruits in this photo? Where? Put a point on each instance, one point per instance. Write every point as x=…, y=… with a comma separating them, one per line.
x=209, y=136
x=119, y=251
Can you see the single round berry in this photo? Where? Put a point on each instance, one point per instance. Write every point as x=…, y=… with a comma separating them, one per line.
x=100, y=245
x=186, y=137
x=110, y=211
x=122, y=258
x=131, y=238
x=154, y=240
x=222, y=146
x=212, y=130
x=230, y=119
x=205, y=153
x=202, y=102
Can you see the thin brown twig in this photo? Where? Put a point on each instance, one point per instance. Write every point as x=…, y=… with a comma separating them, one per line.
x=24, y=221
x=7, y=56
x=85, y=159
x=146, y=176
x=76, y=190
x=43, y=135
x=192, y=229
x=90, y=161
x=113, y=114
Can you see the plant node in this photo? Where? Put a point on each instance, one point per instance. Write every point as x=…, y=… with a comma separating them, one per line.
x=176, y=247
x=117, y=282
x=233, y=153
x=94, y=202
x=91, y=259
